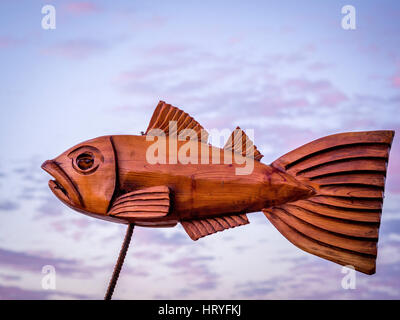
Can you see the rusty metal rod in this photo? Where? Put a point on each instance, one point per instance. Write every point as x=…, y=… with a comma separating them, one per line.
x=120, y=262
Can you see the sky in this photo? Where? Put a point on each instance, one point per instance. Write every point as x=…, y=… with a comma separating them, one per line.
x=288, y=71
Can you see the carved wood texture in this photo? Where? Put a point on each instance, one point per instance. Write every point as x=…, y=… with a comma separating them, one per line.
x=325, y=197
x=341, y=222
x=204, y=227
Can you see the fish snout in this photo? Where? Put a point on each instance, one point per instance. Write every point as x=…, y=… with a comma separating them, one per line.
x=46, y=164
x=62, y=186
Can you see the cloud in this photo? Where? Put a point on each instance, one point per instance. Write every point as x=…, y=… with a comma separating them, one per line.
x=215, y=84
x=81, y=7
x=332, y=98
x=50, y=207
x=280, y=103
x=147, y=255
x=9, y=42
x=312, y=279
x=16, y=293
x=20, y=170
x=286, y=58
x=9, y=277
x=303, y=84
x=318, y=66
x=159, y=238
x=136, y=271
x=236, y=39
x=286, y=29
x=30, y=262
x=8, y=205
x=389, y=252
x=255, y=290
x=197, y=270
x=396, y=81
x=393, y=179
x=394, y=237
x=76, y=49
x=167, y=49
x=146, y=23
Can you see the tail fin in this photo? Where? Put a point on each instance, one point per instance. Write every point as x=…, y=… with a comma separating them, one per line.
x=341, y=222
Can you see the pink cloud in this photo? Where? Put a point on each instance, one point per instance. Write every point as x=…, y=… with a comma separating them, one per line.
x=81, y=7
x=332, y=99
x=33, y=262
x=82, y=223
x=287, y=29
x=393, y=180
x=167, y=49
x=158, y=238
x=369, y=48
x=76, y=49
x=123, y=109
x=281, y=103
x=310, y=48
x=59, y=226
x=17, y=293
x=151, y=22
x=142, y=73
x=196, y=268
x=326, y=94
x=7, y=42
x=147, y=255
x=318, y=66
x=308, y=85
x=235, y=40
x=284, y=138
x=287, y=58
x=396, y=81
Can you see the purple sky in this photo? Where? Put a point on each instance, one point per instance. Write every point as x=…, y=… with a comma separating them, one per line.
x=286, y=70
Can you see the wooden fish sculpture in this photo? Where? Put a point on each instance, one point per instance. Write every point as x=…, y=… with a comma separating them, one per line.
x=325, y=197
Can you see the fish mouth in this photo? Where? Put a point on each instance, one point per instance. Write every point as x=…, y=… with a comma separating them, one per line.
x=62, y=186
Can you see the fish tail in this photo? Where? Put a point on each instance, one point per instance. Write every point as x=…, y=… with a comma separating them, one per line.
x=341, y=221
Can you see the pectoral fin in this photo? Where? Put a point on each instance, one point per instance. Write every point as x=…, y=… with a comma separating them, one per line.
x=153, y=202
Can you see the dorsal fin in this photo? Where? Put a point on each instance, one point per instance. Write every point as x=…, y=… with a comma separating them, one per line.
x=164, y=113
x=240, y=143
x=204, y=227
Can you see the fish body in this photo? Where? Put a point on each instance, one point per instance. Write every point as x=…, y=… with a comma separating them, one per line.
x=325, y=197
x=199, y=190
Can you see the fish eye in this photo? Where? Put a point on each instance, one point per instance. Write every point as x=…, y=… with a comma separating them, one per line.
x=85, y=161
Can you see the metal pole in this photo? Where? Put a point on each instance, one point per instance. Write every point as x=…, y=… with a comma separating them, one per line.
x=120, y=262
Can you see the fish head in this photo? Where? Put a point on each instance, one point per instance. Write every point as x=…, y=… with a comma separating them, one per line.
x=85, y=176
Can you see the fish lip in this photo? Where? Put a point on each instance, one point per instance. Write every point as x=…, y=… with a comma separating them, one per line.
x=62, y=187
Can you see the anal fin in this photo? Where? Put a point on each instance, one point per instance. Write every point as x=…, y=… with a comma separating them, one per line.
x=153, y=202
x=203, y=227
